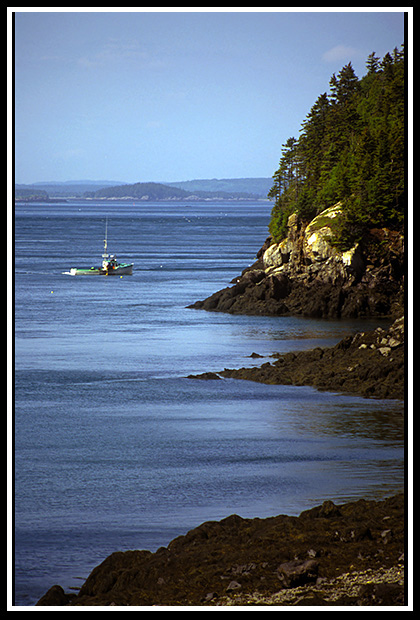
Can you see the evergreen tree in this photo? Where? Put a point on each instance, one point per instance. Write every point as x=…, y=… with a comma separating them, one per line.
x=372, y=64
x=350, y=149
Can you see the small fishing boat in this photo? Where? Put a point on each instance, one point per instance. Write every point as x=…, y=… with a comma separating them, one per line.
x=110, y=266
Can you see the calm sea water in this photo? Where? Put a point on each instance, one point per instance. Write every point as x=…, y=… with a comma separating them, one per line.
x=115, y=448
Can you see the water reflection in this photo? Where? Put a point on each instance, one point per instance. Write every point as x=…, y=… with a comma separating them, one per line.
x=301, y=328
x=346, y=417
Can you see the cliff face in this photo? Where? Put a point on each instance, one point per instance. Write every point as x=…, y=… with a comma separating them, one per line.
x=305, y=275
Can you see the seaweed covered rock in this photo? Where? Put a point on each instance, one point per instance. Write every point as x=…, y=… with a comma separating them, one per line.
x=370, y=364
x=329, y=555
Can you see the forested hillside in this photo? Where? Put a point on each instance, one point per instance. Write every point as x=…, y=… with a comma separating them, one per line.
x=140, y=191
x=160, y=191
x=350, y=149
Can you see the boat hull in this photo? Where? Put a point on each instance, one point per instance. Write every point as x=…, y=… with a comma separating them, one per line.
x=120, y=270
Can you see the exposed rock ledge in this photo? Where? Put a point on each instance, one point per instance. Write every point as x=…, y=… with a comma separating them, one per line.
x=370, y=364
x=305, y=275
x=350, y=554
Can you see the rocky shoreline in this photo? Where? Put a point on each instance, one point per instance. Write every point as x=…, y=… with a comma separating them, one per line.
x=305, y=275
x=370, y=364
x=332, y=555
x=350, y=554
x=344, y=555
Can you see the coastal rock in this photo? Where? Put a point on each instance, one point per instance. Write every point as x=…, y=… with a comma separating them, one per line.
x=281, y=560
x=205, y=376
x=297, y=573
x=306, y=275
x=55, y=597
x=364, y=364
x=318, y=234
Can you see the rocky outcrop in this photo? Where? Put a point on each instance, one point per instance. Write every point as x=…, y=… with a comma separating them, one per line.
x=369, y=364
x=306, y=275
x=349, y=554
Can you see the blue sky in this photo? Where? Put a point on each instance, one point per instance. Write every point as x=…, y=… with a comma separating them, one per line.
x=172, y=96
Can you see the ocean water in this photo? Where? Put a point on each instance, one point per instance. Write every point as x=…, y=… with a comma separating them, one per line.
x=114, y=448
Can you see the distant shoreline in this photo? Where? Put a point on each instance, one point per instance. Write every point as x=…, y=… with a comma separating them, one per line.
x=193, y=199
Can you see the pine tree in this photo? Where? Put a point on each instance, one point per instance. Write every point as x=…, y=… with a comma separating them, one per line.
x=350, y=149
x=372, y=64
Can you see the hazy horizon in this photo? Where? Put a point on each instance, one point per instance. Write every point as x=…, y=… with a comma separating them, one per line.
x=164, y=96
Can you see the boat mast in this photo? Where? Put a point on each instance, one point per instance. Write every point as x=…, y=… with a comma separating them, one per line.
x=105, y=254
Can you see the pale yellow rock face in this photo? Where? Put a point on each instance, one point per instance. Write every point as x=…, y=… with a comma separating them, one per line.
x=319, y=232
x=317, y=245
x=312, y=244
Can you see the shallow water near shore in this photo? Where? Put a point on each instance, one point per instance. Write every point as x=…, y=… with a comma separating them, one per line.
x=114, y=447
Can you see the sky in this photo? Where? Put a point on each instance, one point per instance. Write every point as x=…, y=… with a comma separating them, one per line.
x=173, y=95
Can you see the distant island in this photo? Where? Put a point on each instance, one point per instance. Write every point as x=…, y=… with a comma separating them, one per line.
x=201, y=189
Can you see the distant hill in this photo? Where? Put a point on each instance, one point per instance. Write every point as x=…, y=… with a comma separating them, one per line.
x=65, y=189
x=83, y=182
x=204, y=189
x=160, y=191
x=259, y=186
x=139, y=191
x=31, y=194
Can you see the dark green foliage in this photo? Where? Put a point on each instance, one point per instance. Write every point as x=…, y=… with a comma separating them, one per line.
x=160, y=191
x=30, y=195
x=150, y=191
x=350, y=149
